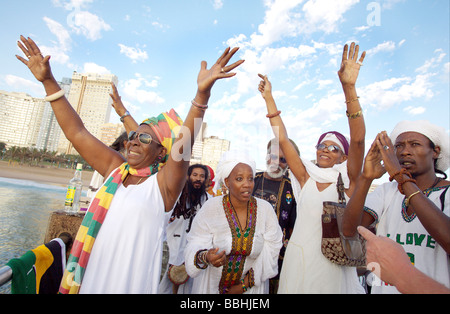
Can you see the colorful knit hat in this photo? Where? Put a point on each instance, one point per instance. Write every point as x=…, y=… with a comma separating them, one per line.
x=166, y=127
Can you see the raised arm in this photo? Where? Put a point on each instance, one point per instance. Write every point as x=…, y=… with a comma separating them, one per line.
x=173, y=175
x=348, y=74
x=279, y=129
x=98, y=155
x=125, y=117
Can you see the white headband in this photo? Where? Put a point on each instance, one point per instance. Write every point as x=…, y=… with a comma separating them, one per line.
x=333, y=138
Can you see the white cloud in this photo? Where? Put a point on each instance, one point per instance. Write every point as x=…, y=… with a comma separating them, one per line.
x=218, y=4
x=386, y=46
x=135, y=54
x=87, y=24
x=59, y=50
x=136, y=90
x=20, y=84
x=414, y=110
x=432, y=63
x=90, y=67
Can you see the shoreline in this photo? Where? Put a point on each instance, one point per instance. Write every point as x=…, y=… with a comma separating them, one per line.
x=52, y=176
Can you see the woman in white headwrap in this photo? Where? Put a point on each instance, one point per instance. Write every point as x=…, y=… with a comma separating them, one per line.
x=235, y=239
x=414, y=208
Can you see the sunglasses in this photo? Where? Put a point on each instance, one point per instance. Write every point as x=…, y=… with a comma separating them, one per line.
x=144, y=138
x=275, y=157
x=330, y=148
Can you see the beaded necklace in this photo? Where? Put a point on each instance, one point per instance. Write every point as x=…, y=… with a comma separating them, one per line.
x=242, y=242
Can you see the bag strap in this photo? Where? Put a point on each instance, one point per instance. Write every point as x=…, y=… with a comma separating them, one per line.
x=341, y=190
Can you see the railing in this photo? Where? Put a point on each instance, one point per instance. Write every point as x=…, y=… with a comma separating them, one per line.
x=6, y=271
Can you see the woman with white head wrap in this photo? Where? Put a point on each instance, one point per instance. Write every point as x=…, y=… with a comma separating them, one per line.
x=414, y=208
x=235, y=239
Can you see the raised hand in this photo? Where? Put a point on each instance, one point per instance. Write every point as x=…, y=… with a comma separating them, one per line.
x=373, y=167
x=220, y=70
x=117, y=101
x=38, y=65
x=387, y=151
x=265, y=87
x=350, y=65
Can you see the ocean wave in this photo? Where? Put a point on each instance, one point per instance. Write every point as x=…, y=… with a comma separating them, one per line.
x=32, y=184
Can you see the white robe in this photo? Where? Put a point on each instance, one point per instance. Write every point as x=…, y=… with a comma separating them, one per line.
x=210, y=229
x=127, y=253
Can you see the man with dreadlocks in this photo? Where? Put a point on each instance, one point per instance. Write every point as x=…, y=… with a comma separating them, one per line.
x=192, y=198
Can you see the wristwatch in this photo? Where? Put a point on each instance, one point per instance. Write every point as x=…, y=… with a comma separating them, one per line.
x=127, y=113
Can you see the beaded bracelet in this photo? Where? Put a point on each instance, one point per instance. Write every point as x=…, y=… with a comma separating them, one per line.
x=401, y=179
x=196, y=104
x=273, y=115
x=243, y=285
x=251, y=278
x=200, y=259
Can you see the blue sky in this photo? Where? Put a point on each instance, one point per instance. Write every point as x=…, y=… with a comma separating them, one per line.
x=155, y=48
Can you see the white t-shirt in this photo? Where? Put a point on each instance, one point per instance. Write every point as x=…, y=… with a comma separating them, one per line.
x=127, y=253
x=386, y=204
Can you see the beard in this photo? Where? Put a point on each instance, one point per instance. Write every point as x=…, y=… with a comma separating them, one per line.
x=275, y=171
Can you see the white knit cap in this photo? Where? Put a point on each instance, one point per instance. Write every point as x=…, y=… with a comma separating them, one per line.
x=435, y=133
x=228, y=161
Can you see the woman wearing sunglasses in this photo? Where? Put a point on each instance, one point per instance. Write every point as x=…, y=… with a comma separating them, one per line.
x=305, y=269
x=118, y=248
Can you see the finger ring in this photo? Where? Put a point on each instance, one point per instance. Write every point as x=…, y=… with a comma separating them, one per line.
x=222, y=71
x=28, y=57
x=360, y=63
x=386, y=147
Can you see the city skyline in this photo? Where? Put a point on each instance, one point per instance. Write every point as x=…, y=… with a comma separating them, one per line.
x=156, y=51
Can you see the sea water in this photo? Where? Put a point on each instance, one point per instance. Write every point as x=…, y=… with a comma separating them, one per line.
x=25, y=208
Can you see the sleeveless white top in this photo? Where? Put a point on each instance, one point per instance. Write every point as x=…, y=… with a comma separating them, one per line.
x=127, y=254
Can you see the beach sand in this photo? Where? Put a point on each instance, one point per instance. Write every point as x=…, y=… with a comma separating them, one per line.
x=54, y=176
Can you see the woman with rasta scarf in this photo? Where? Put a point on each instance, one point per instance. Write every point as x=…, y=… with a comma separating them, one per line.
x=118, y=248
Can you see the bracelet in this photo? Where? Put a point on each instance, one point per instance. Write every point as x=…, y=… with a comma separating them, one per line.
x=273, y=115
x=243, y=285
x=55, y=96
x=196, y=104
x=126, y=114
x=200, y=259
x=409, y=197
x=354, y=115
x=251, y=278
x=349, y=101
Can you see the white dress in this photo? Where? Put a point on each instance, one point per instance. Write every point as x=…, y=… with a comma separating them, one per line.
x=305, y=269
x=127, y=254
x=210, y=229
x=386, y=204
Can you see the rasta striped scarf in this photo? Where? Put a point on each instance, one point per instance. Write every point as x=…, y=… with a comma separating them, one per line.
x=95, y=215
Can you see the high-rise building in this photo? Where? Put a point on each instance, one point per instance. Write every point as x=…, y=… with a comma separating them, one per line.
x=109, y=132
x=213, y=149
x=20, y=118
x=89, y=96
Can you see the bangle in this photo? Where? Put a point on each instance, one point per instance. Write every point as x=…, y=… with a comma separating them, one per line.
x=196, y=104
x=273, y=115
x=409, y=197
x=243, y=285
x=55, y=96
x=349, y=101
x=354, y=115
x=200, y=259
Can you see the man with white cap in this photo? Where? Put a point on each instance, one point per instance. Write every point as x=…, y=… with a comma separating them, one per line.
x=414, y=208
